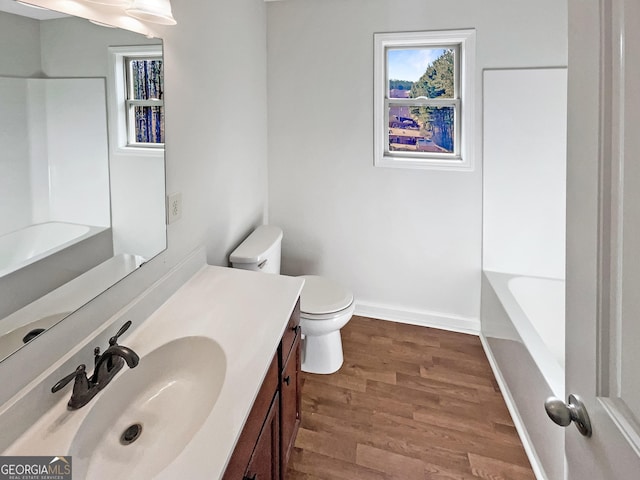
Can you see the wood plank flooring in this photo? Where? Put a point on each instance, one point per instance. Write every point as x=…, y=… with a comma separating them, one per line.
x=408, y=403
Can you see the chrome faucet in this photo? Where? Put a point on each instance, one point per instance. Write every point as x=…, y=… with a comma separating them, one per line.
x=106, y=367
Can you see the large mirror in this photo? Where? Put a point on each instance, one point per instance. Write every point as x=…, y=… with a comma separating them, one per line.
x=82, y=178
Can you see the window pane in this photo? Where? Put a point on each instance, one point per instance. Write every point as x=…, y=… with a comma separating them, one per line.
x=149, y=124
x=421, y=129
x=146, y=79
x=421, y=72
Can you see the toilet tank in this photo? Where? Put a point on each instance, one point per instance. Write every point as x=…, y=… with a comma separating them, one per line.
x=260, y=251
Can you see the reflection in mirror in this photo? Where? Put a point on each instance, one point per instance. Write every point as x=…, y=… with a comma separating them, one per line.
x=83, y=199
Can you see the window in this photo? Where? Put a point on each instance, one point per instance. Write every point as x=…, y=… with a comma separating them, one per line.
x=136, y=100
x=144, y=105
x=423, y=99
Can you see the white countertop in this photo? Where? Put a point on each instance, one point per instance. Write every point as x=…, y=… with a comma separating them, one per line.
x=246, y=313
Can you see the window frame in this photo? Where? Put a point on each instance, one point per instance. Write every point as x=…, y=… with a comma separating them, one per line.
x=463, y=43
x=120, y=104
x=131, y=103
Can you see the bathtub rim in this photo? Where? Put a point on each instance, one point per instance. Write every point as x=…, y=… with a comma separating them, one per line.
x=542, y=355
x=553, y=338
x=92, y=230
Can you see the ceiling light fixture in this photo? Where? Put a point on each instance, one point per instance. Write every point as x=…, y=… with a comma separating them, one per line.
x=155, y=11
x=30, y=5
x=101, y=24
x=116, y=3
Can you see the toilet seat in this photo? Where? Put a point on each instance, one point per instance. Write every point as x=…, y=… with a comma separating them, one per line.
x=328, y=316
x=323, y=299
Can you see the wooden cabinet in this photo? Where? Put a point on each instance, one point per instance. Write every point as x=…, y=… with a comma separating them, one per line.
x=265, y=403
x=265, y=444
x=290, y=399
x=267, y=449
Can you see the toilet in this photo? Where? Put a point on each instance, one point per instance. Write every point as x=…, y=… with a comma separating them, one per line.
x=325, y=306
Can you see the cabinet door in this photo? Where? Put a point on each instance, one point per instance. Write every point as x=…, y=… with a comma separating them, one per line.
x=262, y=406
x=264, y=463
x=290, y=388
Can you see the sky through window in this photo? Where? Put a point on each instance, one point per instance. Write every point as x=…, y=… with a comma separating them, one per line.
x=410, y=64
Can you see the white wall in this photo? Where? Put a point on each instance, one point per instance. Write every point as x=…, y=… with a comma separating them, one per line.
x=525, y=150
x=78, y=162
x=408, y=242
x=216, y=123
x=19, y=56
x=138, y=205
x=63, y=55
x=14, y=156
x=19, y=46
x=54, y=164
x=38, y=155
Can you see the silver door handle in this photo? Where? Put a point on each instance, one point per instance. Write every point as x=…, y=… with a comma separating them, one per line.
x=563, y=414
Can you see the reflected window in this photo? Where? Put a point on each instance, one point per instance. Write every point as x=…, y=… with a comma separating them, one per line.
x=144, y=104
x=136, y=100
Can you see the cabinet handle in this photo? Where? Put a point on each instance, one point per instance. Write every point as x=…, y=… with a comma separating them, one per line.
x=287, y=379
x=255, y=476
x=296, y=328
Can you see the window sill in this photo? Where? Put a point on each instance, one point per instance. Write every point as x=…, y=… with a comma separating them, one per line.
x=139, y=152
x=450, y=164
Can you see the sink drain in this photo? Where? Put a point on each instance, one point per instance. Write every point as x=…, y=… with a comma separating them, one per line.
x=131, y=434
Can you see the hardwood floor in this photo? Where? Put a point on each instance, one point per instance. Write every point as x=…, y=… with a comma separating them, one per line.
x=408, y=403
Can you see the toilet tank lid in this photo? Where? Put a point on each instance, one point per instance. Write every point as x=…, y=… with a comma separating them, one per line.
x=321, y=295
x=256, y=245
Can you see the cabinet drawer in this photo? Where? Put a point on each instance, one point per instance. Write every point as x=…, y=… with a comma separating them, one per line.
x=292, y=331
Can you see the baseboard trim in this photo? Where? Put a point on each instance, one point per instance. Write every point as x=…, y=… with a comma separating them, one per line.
x=442, y=321
x=536, y=465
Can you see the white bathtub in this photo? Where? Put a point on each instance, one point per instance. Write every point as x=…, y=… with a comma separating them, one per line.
x=44, y=256
x=30, y=244
x=542, y=302
x=522, y=326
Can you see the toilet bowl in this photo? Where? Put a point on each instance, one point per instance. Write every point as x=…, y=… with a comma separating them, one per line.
x=325, y=306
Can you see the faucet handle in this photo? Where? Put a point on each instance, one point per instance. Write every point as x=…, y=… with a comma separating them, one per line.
x=114, y=340
x=76, y=374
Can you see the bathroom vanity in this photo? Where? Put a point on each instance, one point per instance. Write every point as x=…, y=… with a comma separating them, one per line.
x=216, y=393
x=264, y=447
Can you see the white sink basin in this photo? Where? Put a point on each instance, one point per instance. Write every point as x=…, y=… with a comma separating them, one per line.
x=169, y=395
x=13, y=340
